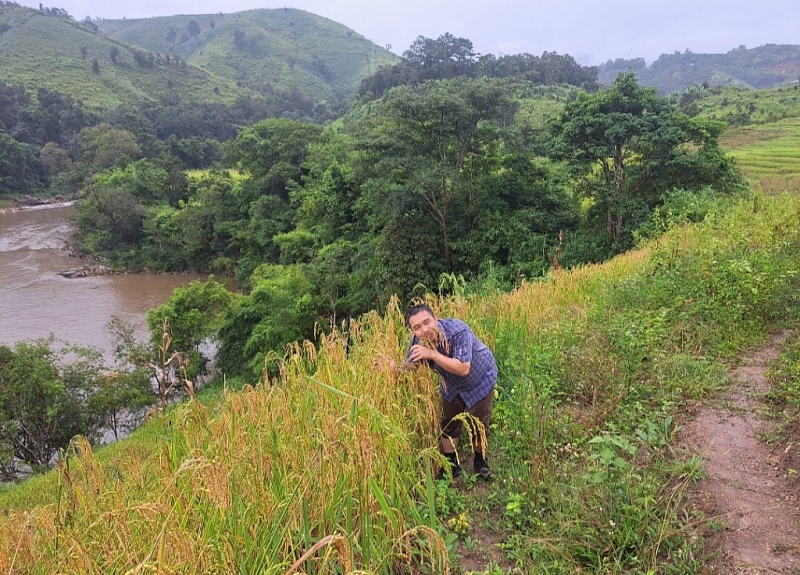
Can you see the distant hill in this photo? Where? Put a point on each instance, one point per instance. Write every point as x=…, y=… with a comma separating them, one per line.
x=45, y=50
x=266, y=50
x=769, y=66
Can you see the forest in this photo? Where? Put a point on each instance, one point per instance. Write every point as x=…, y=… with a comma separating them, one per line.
x=449, y=167
x=449, y=170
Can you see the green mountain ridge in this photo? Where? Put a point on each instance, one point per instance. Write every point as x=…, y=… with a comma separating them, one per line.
x=45, y=51
x=265, y=49
x=768, y=66
x=300, y=63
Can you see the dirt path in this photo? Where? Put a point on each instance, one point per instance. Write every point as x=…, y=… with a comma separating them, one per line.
x=752, y=501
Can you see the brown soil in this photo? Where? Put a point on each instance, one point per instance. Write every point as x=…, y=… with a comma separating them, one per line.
x=748, y=497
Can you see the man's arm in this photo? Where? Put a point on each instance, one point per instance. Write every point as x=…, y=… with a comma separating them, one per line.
x=449, y=364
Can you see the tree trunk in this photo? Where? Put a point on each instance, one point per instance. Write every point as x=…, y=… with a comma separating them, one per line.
x=619, y=189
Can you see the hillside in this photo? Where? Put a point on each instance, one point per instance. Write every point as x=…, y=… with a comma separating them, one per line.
x=45, y=51
x=266, y=50
x=769, y=66
x=328, y=467
x=763, y=134
x=336, y=456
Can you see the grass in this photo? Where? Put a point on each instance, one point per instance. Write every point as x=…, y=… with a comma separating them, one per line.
x=337, y=457
x=783, y=401
x=741, y=106
x=197, y=174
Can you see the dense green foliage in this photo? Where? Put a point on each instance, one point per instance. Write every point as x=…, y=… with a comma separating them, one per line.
x=434, y=180
x=60, y=76
x=768, y=66
x=194, y=315
x=450, y=57
x=20, y=169
x=49, y=394
x=631, y=148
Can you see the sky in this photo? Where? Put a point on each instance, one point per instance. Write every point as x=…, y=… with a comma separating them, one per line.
x=591, y=31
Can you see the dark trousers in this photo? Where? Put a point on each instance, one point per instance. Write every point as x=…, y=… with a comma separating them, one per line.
x=482, y=410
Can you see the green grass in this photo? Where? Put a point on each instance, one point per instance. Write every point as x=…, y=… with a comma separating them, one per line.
x=784, y=400
x=197, y=174
x=740, y=106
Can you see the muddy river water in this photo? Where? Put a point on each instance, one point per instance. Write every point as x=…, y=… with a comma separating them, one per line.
x=35, y=301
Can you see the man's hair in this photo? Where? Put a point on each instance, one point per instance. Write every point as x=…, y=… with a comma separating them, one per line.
x=415, y=309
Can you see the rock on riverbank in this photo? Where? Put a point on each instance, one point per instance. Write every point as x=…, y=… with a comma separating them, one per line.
x=88, y=271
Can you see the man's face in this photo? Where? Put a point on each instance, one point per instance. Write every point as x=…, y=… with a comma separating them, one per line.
x=421, y=323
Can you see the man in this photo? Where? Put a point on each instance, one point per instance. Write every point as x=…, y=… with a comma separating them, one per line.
x=467, y=372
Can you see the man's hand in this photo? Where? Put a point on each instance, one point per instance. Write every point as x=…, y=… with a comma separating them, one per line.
x=421, y=353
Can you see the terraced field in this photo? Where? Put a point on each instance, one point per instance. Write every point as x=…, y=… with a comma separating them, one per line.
x=767, y=154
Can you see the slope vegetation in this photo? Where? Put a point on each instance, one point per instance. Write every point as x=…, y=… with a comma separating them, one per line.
x=768, y=66
x=280, y=49
x=45, y=51
x=764, y=133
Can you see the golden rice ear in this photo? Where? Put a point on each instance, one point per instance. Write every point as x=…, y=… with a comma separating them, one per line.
x=438, y=340
x=420, y=545
x=476, y=432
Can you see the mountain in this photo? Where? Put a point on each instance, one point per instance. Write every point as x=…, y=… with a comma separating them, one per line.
x=47, y=49
x=769, y=66
x=266, y=50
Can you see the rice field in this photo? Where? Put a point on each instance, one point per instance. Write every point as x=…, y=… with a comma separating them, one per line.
x=767, y=154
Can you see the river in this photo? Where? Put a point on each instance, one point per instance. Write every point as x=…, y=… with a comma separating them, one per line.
x=35, y=301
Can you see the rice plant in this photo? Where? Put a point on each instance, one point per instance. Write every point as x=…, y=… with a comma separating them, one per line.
x=328, y=468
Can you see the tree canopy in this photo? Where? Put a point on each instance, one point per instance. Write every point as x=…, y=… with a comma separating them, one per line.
x=628, y=147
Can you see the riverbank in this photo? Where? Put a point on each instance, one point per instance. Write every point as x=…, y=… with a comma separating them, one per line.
x=34, y=203
x=36, y=301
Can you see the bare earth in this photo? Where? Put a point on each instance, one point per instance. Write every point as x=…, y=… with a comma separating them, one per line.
x=749, y=491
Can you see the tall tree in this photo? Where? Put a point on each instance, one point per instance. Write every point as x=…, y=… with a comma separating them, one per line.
x=44, y=403
x=195, y=313
x=438, y=130
x=624, y=144
x=103, y=145
x=193, y=28
x=281, y=308
x=20, y=168
x=272, y=152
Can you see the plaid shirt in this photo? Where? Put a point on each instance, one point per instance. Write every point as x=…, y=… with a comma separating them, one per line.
x=463, y=345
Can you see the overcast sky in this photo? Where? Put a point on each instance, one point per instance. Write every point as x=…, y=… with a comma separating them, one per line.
x=592, y=31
